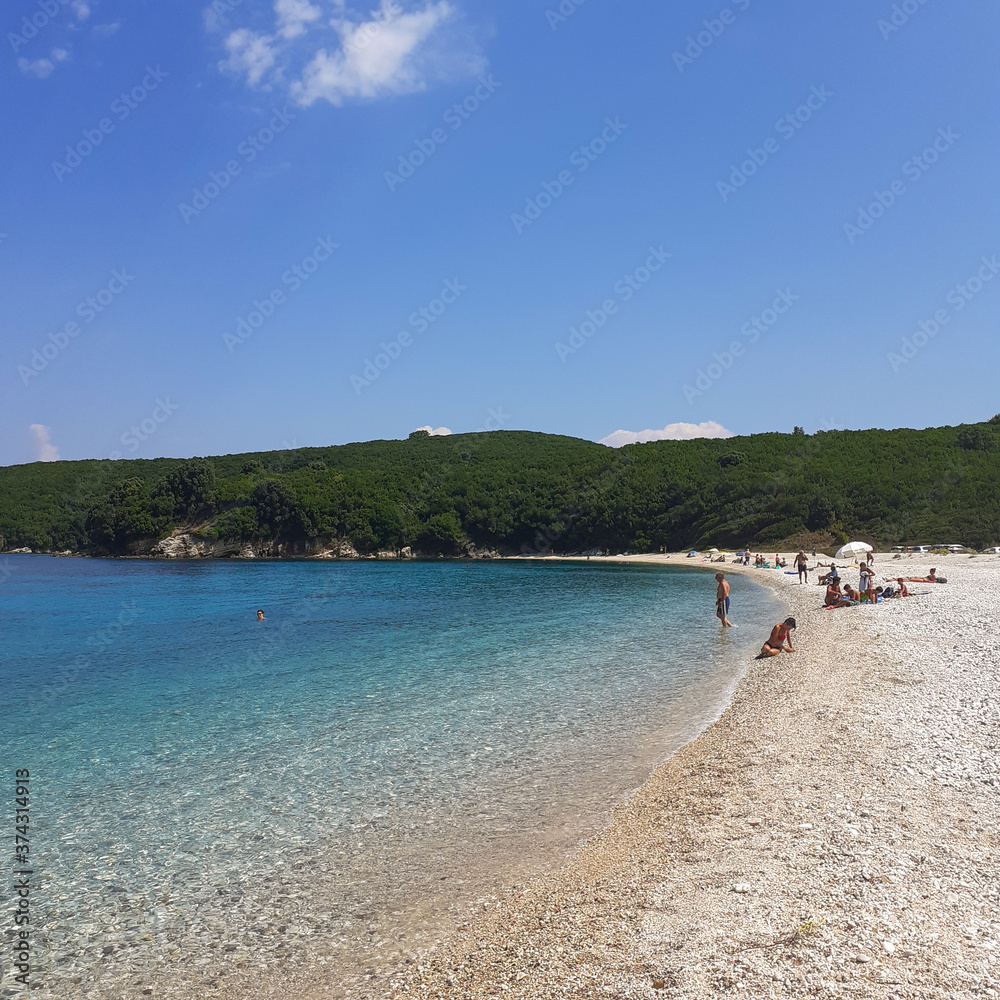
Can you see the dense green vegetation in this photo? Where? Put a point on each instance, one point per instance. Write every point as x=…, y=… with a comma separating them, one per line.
x=519, y=491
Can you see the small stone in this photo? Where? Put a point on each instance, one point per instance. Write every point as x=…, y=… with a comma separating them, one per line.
x=658, y=984
x=741, y=887
x=862, y=958
x=888, y=947
x=754, y=821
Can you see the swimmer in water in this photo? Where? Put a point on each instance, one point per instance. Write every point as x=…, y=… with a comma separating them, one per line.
x=260, y=614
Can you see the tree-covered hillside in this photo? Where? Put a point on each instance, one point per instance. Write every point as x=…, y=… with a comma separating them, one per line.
x=515, y=491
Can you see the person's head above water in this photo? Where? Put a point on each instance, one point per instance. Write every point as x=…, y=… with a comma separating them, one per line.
x=260, y=614
x=720, y=576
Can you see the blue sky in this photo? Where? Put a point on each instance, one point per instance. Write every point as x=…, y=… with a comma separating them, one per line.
x=307, y=222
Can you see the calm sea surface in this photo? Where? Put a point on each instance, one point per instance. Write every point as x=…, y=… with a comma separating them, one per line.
x=214, y=797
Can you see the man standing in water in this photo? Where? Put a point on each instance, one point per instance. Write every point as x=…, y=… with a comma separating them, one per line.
x=722, y=601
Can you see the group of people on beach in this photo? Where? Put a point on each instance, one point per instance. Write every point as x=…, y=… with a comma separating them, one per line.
x=837, y=596
x=867, y=592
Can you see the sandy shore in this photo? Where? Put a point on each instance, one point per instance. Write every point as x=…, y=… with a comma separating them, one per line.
x=835, y=833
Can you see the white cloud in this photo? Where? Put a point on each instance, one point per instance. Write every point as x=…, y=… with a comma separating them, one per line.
x=45, y=450
x=672, y=432
x=106, y=30
x=435, y=431
x=294, y=15
x=39, y=67
x=81, y=9
x=249, y=53
x=386, y=52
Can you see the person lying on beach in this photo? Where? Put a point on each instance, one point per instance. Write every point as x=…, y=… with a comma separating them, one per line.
x=780, y=640
x=930, y=578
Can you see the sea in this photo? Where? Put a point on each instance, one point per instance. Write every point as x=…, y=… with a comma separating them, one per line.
x=213, y=799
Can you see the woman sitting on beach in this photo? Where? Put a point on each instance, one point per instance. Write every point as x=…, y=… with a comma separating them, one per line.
x=780, y=640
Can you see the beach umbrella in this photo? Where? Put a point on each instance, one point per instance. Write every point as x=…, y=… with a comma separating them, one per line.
x=852, y=550
x=713, y=550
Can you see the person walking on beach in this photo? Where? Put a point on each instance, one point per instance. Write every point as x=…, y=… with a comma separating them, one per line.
x=802, y=565
x=780, y=639
x=722, y=601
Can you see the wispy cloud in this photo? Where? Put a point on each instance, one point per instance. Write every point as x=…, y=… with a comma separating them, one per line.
x=294, y=15
x=81, y=9
x=386, y=52
x=45, y=450
x=249, y=53
x=106, y=30
x=672, y=432
x=41, y=68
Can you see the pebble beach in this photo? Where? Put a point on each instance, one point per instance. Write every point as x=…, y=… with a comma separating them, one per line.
x=833, y=833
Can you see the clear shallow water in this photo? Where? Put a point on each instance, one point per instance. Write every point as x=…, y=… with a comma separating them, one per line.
x=213, y=794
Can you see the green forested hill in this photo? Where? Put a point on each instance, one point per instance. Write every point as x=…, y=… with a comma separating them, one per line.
x=516, y=491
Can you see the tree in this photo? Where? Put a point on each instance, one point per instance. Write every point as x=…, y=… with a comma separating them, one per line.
x=191, y=485
x=122, y=517
x=975, y=438
x=279, y=511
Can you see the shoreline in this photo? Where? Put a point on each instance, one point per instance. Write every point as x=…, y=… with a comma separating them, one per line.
x=832, y=832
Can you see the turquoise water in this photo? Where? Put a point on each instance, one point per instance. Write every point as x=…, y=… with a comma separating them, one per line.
x=213, y=795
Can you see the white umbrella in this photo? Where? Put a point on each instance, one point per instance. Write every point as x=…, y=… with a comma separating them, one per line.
x=852, y=549
x=713, y=550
